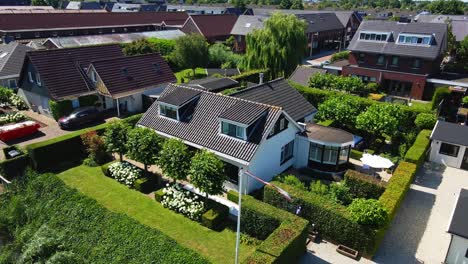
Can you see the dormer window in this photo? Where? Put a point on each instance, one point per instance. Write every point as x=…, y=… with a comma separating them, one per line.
x=414, y=39
x=233, y=130
x=168, y=111
x=374, y=36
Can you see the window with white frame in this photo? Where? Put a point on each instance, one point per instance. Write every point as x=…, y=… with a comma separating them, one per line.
x=168, y=111
x=315, y=152
x=374, y=36
x=232, y=130
x=410, y=39
x=449, y=149
x=30, y=77
x=330, y=154
x=38, y=79
x=12, y=83
x=287, y=152
x=343, y=155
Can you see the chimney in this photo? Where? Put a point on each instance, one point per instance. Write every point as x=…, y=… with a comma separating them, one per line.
x=260, y=77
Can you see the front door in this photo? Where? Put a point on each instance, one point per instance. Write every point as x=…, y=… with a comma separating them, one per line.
x=464, y=164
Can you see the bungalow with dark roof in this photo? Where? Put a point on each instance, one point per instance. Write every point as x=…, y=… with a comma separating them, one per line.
x=257, y=135
x=457, y=252
x=450, y=145
x=11, y=59
x=69, y=74
x=212, y=27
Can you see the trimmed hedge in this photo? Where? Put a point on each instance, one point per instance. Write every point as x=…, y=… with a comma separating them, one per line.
x=214, y=218
x=105, y=168
x=356, y=154
x=144, y=185
x=286, y=243
x=363, y=186
x=326, y=123
x=14, y=167
x=158, y=195
x=417, y=153
x=251, y=76
x=69, y=147
x=332, y=220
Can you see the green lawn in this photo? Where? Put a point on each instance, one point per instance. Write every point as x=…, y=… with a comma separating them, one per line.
x=218, y=247
x=188, y=73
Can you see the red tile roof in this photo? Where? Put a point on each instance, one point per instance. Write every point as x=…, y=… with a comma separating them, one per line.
x=127, y=74
x=215, y=25
x=61, y=70
x=44, y=21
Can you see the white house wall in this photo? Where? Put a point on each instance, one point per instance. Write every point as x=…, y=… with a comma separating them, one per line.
x=450, y=161
x=267, y=161
x=36, y=102
x=457, y=250
x=302, y=152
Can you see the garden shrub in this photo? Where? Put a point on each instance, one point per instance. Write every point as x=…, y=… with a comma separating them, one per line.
x=417, y=153
x=82, y=226
x=326, y=123
x=368, y=212
x=339, y=192
x=291, y=180
x=105, y=168
x=15, y=117
x=251, y=76
x=14, y=167
x=133, y=120
x=342, y=55
x=144, y=185
x=440, y=94
x=332, y=220
x=363, y=186
x=159, y=194
x=319, y=188
x=425, y=121
x=60, y=108
x=214, y=218
x=95, y=148
x=355, y=154
x=124, y=172
x=285, y=242
x=18, y=102
x=182, y=201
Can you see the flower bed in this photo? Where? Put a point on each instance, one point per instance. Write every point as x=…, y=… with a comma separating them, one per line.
x=182, y=201
x=12, y=118
x=124, y=172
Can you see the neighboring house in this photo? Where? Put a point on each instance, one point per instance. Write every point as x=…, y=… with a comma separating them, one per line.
x=398, y=56
x=197, y=9
x=458, y=229
x=238, y=11
x=121, y=7
x=459, y=23
x=302, y=74
x=15, y=3
x=244, y=25
x=79, y=41
x=213, y=84
x=68, y=74
x=24, y=7
x=223, y=72
x=11, y=60
x=450, y=145
x=278, y=92
x=79, y=5
x=248, y=136
x=212, y=27
x=77, y=23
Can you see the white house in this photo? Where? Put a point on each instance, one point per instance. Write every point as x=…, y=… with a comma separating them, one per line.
x=247, y=135
x=458, y=228
x=450, y=145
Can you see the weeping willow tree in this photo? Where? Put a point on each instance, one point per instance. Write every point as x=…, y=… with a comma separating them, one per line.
x=279, y=46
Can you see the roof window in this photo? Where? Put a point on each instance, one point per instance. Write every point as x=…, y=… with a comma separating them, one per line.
x=415, y=39
x=374, y=36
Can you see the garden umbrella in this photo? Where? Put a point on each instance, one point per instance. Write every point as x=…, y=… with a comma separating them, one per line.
x=376, y=161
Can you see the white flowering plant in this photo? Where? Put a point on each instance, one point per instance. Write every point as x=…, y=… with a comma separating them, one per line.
x=124, y=172
x=18, y=102
x=12, y=118
x=182, y=201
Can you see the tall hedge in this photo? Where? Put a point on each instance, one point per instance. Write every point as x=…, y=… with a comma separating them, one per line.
x=332, y=220
x=60, y=108
x=363, y=186
x=287, y=233
x=440, y=94
x=93, y=233
x=417, y=153
x=14, y=167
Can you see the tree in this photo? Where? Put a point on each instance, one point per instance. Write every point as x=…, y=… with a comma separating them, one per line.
x=462, y=53
x=451, y=40
x=447, y=7
x=95, y=147
x=240, y=4
x=115, y=137
x=285, y=4
x=190, y=52
x=425, y=121
x=381, y=118
x=322, y=81
x=279, y=46
x=343, y=109
x=174, y=159
x=368, y=212
x=143, y=146
x=220, y=54
x=207, y=173
x=297, y=4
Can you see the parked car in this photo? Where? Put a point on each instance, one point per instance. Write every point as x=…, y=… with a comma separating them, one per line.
x=79, y=117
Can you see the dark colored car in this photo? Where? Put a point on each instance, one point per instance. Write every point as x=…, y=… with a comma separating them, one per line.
x=80, y=116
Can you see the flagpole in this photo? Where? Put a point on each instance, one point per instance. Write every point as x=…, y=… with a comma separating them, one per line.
x=239, y=215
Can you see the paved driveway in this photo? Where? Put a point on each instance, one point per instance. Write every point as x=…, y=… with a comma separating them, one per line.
x=418, y=232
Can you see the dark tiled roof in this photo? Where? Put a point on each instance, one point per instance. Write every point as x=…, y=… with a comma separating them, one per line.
x=244, y=112
x=61, y=70
x=302, y=74
x=224, y=72
x=328, y=134
x=90, y=6
x=213, y=84
x=214, y=25
x=124, y=74
x=11, y=63
x=179, y=97
x=76, y=20
x=450, y=133
x=203, y=127
x=321, y=22
x=439, y=31
x=459, y=224
x=279, y=93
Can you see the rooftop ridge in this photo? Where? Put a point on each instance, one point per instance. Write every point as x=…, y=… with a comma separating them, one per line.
x=127, y=57
x=227, y=96
x=67, y=49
